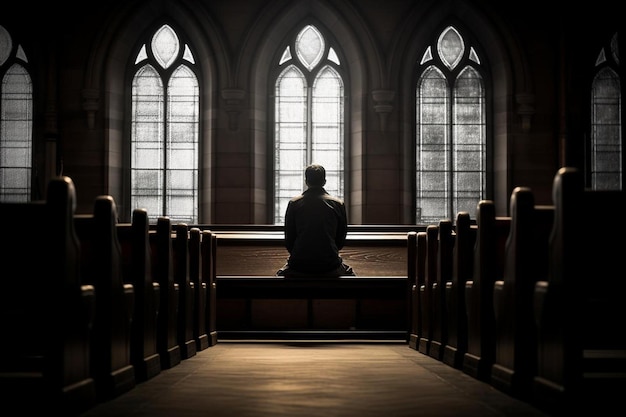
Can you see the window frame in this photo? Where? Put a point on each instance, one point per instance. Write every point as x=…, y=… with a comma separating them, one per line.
x=275, y=72
x=33, y=191
x=165, y=74
x=619, y=70
x=451, y=76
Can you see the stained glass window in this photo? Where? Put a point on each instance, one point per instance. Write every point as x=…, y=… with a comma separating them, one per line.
x=309, y=117
x=165, y=130
x=450, y=130
x=606, y=123
x=16, y=122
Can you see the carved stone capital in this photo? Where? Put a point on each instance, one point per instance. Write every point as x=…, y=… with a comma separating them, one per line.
x=383, y=105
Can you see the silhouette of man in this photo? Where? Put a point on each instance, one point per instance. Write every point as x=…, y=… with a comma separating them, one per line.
x=316, y=225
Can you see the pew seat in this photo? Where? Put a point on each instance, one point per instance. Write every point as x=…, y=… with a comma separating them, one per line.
x=347, y=307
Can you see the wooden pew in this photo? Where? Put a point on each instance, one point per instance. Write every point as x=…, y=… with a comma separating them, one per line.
x=580, y=308
x=426, y=303
x=208, y=253
x=417, y=239
x=199, y=326
x=46, y=311
x=462, y=270
x=163, y=273
x=439, y=331
x=411, y=240
x=491, y=235
x=186, y=291
x=259, y=252
x=347, y=307
x=137, y=269
x=101, y=266
x=526, y=261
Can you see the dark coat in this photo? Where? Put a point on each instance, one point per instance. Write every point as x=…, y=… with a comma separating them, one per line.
x=316, y=225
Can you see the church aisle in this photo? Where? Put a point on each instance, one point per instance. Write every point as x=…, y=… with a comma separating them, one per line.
x=283, y=378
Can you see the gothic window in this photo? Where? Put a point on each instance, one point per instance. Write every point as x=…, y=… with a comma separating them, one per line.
x=16, y=121
x=165, y=129
x=450, y=129
x=606, y=121
x=309, y=117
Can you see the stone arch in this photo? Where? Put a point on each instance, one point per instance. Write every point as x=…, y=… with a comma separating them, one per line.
x=253, y=71
x=105, y=86
x=511, y=85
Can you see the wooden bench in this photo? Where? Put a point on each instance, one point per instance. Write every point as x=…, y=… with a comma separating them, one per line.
x=491, y=235
x=445, y=246
x=46, y=312
x=526, y=262
x=196, y=276
x=462, y=271
x=209, y=253
x=417, y=275
x=101, y=266
x=579, y=308
x=137, y=269
x=318, y=307
x=186, y=291
x=163, y=273
x=249, y=258
x=425, y=290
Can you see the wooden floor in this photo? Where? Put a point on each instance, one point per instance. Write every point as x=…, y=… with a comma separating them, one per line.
x=312, y=378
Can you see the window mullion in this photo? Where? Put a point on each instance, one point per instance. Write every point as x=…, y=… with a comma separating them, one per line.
x=165, y=148
x=309, y=124
x=450, y=148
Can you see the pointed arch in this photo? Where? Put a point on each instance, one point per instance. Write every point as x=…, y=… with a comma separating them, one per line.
x=107, y=78
x=606, y=154
x=308, y=116
x=16, y=122
x=265, y=46
x=506, y=75
x=450, y=130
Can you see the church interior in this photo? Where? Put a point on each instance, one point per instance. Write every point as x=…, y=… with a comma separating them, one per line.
x=148, y=149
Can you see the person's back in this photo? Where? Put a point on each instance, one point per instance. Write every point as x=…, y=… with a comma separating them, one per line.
x=316, y=226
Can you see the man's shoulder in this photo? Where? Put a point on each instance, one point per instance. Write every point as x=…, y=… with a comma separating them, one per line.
x=296, y=198
x=333, y=198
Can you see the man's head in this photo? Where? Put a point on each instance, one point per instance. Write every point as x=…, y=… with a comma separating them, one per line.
x=315, y=176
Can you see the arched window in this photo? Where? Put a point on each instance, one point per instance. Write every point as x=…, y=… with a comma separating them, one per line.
x=165, y=129
x=606, y=155
x=450, y=129
x=16, y=122
x=309, y=117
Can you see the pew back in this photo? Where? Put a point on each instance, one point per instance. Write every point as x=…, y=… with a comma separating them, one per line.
x=425, y=290
x=580, y=310
x=163, y=273
x=101, y=266
x=137, y=270
x=45, y=310
x=417, y=310
x=526, y=261
x=462, y=270
x=263, y=252
x=445, y=246
x=492, y=233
